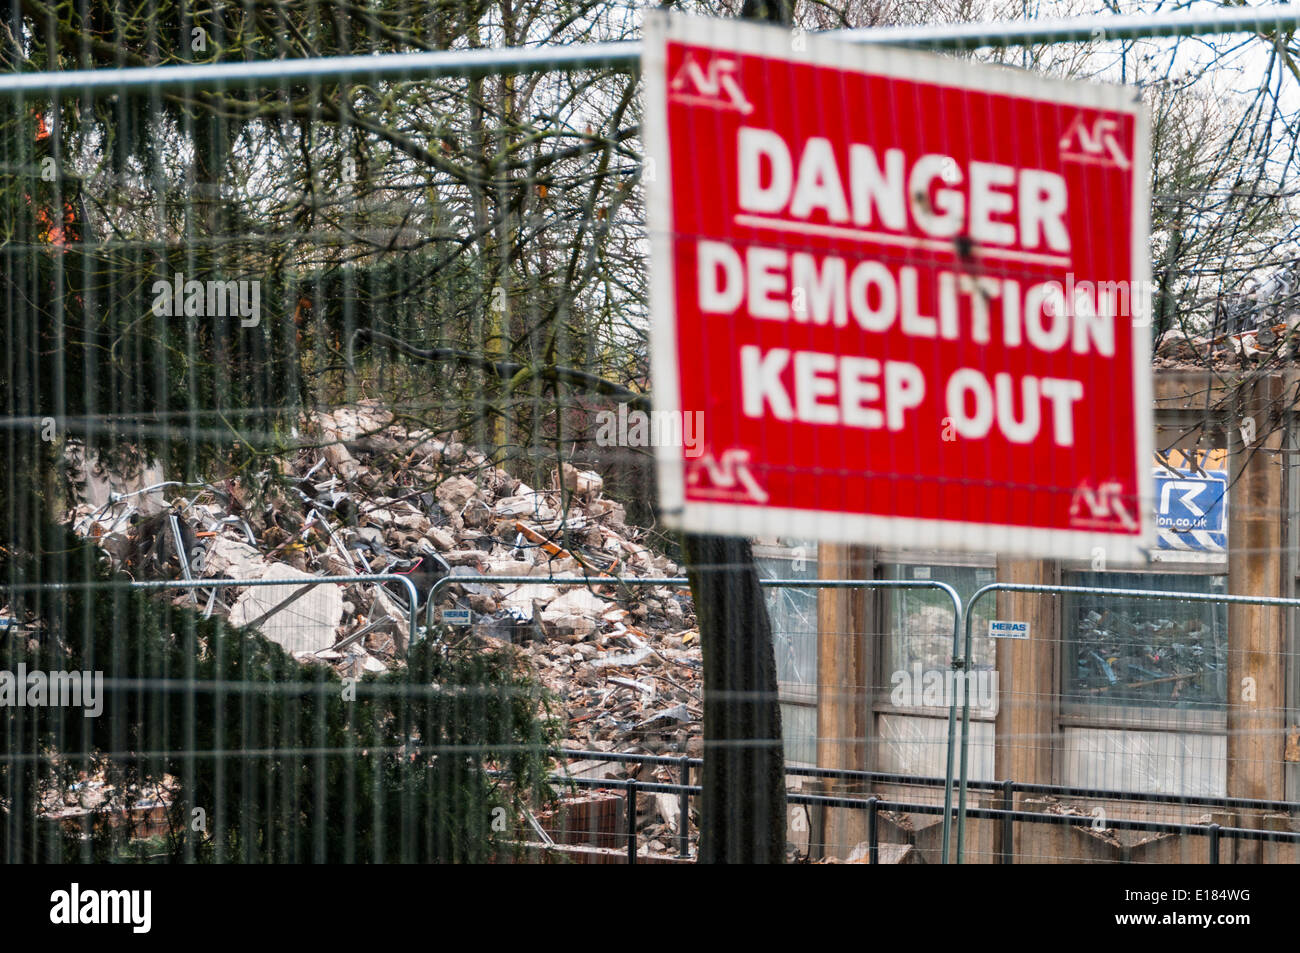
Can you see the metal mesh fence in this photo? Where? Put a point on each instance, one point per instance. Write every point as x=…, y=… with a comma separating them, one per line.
x=1138, y=790
x=324, y=354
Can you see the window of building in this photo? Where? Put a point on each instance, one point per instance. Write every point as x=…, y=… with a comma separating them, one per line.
x=793, y=614
x=919, y=622
x=1144, y=681
x=1145, y=653
x=917, y=683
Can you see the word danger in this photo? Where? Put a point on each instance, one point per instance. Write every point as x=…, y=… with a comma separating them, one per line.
x=999, y=204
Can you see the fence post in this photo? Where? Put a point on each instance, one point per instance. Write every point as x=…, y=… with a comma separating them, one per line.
x=1008, y=822
x=631, y=821
x=684, y=810
x=1214, y=843
x=873, y=845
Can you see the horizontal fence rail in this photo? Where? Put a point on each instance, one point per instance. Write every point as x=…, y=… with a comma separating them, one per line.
x=626, y=55
x=1020, y=787
x=1007, y=815
x=1083, y=29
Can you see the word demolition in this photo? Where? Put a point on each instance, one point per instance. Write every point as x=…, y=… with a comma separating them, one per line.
x=1016, y=214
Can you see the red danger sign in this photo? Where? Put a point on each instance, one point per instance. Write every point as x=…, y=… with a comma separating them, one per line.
x=899, y=299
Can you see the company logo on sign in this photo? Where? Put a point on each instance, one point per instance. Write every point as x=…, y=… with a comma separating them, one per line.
x=1191, y=510
x=1093, y=143
x=1100, y=508
x=713, y=85
x=1008, y=630
x=726, y=479
x=1188, y=491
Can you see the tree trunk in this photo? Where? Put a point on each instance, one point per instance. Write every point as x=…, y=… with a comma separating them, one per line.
x=742, y=811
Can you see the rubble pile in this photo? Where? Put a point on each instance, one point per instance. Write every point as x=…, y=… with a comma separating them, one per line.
x=374, y=495
x=1130, y=657
x=630, y=681
x=927, y=636
x=1094, y=825
x=92, y=794
x=1261, y=345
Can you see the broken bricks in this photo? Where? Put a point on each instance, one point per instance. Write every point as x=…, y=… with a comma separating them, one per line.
x=373, y=496
x=299, y=616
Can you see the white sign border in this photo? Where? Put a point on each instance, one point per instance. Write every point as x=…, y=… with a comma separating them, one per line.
x=660, y=27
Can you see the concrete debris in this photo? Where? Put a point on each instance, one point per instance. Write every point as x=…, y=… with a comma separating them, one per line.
x=524, y=599
x=886, y=854
x=97, y=483
x=342, y=461
x=581, y=600
x=441, y=539
x=1265, y=344
x=602, y=770
x=574, y=615
x=307, y=624
x=533, y=506
x=623, y=658
x=669, y=807
x=457, y=492
x=231, y=559
x=583, y=482
x=514, y=567
x=678, y=713
x=639, y=686
x=371, y=495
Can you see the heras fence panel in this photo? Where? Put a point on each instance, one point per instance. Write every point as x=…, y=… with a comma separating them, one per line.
x=1143, y=699
x=381, y=312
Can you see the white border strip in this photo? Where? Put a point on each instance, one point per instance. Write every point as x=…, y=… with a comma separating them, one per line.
x=732, y=519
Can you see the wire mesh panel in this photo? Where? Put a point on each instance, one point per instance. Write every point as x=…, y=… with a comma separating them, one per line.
x=326, y=364
x=288, y=329
x=1166, y=761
